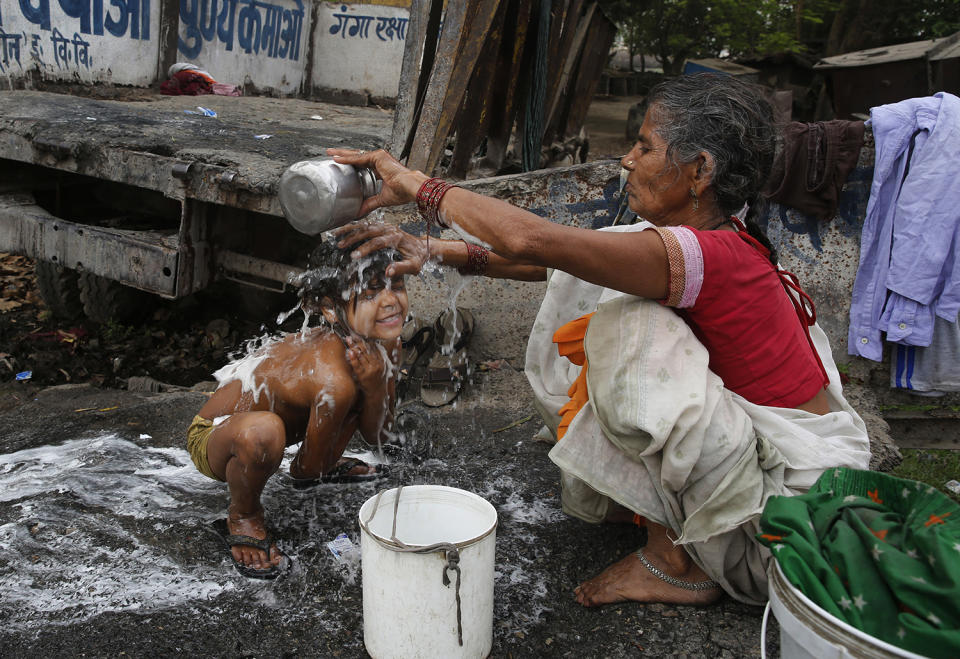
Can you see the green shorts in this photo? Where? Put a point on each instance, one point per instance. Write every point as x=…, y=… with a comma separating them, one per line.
x=198, y=435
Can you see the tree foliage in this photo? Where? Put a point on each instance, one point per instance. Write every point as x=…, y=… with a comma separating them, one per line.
x=675, y=30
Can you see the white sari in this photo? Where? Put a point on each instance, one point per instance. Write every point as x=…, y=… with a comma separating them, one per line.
x=661, y=435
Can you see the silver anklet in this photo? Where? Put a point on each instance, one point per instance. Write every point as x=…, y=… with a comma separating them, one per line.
x=673, y=581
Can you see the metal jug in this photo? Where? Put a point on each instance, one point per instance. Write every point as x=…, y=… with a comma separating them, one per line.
x=319, y=195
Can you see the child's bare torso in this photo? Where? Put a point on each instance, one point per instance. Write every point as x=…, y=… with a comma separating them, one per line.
x=292, y=378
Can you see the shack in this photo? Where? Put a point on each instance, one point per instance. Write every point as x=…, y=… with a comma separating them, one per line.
x=863, y=79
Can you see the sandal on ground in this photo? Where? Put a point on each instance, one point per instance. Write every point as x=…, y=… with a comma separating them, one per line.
x=418, y=346
x=446, y=373
x=230, y=541
x=341, y=474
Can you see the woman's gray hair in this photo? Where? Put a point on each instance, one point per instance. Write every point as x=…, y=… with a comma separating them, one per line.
x=725, y=117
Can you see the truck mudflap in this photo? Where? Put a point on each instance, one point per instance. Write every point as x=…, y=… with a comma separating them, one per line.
x=146, y=260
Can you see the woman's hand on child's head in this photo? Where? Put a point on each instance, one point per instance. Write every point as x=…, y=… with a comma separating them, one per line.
x=365, y=360
x=400, y=185
x=379, y=236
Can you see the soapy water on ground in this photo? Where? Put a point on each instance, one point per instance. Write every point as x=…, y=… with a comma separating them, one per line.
x=87, y=528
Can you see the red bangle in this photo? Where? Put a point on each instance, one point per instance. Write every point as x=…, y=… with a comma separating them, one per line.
x=477, y=259
x=428, y=200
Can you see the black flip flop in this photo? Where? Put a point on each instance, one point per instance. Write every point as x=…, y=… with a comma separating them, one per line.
x=446, y=373
x=230, y=541
x=341, y=474
x=417, y=351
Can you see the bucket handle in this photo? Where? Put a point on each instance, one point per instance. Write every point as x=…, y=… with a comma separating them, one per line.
x=451, y=553
x=763, y=631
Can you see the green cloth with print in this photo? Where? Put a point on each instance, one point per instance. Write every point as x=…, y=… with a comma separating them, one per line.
x=878, y=552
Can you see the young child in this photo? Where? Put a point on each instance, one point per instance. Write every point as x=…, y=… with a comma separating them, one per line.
x=315, y=387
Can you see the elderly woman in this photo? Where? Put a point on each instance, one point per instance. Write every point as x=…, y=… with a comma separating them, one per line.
x=697, y=385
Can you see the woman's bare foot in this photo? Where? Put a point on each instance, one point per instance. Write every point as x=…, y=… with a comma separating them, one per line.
x=629, y=580
x=247, y=555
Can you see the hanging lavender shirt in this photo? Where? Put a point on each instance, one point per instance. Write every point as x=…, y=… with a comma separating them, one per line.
x=908, y=249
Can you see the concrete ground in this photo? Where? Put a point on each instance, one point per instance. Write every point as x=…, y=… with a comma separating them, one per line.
x=107, y=551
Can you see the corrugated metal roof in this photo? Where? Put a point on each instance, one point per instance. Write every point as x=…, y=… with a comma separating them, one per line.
x=714, y=64
x=882, y=55
x=949, y=52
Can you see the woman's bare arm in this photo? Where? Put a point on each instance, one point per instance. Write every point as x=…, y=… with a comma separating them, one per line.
x=632, y=262
x=417, y=250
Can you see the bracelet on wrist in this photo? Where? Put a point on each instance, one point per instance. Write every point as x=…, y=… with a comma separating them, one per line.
x=477, y=260
x=428, y=200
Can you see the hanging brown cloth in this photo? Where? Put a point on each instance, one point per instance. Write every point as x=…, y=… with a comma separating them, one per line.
x=815, y=162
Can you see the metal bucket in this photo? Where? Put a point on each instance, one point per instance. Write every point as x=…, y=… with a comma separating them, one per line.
x=436, y=603
x=809, y=632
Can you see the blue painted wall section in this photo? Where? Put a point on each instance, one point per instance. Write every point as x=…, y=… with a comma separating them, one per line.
x=257, y=27
x=601, y=210
x=118, y=18
x=848, y=221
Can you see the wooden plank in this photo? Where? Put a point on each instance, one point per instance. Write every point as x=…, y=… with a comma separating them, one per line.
x=438, y=79
x=572, y=56
x=924, y=432
x=465, y=29
x=585, y=80
x=505, y=86
x=474, y=117
x=414, y=71
x=562, y=14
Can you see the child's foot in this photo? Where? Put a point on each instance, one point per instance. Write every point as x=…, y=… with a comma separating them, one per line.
x=247, y=555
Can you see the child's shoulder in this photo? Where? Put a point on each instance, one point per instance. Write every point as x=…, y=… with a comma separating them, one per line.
x=316, y=354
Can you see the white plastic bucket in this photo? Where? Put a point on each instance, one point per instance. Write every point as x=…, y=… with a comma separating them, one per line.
x=407, y=610
x=809, y=632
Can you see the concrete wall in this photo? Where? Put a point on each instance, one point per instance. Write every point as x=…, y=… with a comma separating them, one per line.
x=352, y=54
x=358, y=49
x=85, y=41
x=251, y=42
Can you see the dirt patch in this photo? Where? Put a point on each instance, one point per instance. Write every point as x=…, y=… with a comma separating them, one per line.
x=101, y=92
x=182, y=342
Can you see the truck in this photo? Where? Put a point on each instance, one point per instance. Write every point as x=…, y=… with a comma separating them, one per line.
x=121, y=193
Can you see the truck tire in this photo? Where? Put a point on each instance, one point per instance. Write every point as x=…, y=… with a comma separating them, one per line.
x=105, y=300
x=60, y=290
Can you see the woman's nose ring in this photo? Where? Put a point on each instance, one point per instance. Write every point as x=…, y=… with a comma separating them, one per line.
x=629, y=163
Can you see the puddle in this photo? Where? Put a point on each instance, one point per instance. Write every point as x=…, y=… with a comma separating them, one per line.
x=73, y=523
x=107, y=524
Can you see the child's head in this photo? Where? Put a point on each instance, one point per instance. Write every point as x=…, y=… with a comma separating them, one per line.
x=355, y=293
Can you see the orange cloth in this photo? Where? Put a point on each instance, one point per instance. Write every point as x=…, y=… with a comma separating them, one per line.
x=569, y=340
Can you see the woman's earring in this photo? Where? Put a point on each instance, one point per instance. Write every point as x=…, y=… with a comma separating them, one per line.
x=696, y=201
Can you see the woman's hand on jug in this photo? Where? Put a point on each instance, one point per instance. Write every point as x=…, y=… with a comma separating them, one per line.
x=400, y=185
x=378, y=236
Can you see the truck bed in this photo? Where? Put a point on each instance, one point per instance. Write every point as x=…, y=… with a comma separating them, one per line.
x=154, y=144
